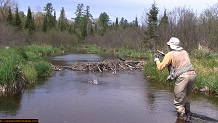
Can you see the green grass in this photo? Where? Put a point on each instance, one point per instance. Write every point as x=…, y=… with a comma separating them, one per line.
x=205, y=65
x=9, y=60
x=87, y=48
x=28, y=73
x=43, y=68
x=134, y=53
x=25, y=62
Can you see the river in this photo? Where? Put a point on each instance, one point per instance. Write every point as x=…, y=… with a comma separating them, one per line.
x=124, y=97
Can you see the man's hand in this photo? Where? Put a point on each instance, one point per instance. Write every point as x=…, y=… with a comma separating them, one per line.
x=160, y=53
x=156, y=59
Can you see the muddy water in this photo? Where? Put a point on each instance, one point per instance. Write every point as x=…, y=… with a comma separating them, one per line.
x=124, y=97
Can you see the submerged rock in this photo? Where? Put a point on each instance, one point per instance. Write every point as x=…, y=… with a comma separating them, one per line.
x=94, y=81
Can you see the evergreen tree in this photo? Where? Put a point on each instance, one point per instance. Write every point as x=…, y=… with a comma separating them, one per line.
x=164, y=27
x=17, y=20
x=54, y=19
x=84, y=27
x=152, y=21
x=88, y=20
x=50, y=20
x=116, y=24
x=44, y=26
x=103, y=22
x=29, y=23
x=61, y=21
x=121, y=23
x=136, y=23
x=83, y=20
x=79, y=14
x=164, y=19
x=9, y=17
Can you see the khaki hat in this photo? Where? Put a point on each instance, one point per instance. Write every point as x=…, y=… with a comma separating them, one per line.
x=174, y=43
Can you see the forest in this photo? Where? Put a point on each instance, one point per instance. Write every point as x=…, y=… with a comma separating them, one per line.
x=196, y=31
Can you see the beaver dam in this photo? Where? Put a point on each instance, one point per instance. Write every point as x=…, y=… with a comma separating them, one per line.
x=104, y=66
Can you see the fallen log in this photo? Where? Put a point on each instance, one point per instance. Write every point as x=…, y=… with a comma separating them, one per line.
x=107, y=66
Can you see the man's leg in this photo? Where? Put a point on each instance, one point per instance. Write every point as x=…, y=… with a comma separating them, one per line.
x=189, y=89
x=180, y=92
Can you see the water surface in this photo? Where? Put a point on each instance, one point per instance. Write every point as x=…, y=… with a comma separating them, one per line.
x=124, y=97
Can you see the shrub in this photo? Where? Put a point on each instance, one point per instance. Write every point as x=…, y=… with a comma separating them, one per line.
x=28, y=73
x=43, y=68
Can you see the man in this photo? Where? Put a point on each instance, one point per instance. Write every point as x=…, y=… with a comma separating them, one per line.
x=182, y=72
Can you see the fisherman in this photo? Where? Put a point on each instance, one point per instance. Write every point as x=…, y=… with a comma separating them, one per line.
x=182, y=71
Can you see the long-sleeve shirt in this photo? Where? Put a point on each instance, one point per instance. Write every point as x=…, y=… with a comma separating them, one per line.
x=166, y=61
x=177, y=59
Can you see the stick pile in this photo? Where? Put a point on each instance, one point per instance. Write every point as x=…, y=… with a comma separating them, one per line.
x=108, y=66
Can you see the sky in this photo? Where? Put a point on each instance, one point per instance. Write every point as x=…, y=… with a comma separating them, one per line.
x=128, y=9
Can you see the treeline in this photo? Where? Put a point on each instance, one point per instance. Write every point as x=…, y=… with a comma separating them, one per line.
x=45, y=28
x=195, y=30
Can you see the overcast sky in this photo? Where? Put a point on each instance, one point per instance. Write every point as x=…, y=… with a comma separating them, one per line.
x=128, y=9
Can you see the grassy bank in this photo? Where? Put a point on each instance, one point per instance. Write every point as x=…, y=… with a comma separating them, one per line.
x=24, y=64
x=206, y=67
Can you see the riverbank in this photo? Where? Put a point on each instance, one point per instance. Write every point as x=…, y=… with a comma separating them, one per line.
x=22, y=66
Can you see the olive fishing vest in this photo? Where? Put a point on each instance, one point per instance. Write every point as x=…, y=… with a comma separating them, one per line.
x=180, y=64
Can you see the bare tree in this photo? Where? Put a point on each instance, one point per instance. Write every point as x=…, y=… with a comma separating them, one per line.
x=4, y=5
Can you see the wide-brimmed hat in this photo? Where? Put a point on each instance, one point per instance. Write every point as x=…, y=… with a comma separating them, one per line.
x=174, y=43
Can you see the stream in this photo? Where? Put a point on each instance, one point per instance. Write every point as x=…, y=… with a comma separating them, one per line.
x=123, y=97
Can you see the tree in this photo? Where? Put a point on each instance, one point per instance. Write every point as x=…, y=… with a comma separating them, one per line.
x=45, y=26
x=29, y=23
x=78, y=14
x=163, y=28
x=4, y=5
x=54, y=19
x=50, y=20
x=17, y=20
x=10, y=17
x=84, y=27
x=103, y=22
x=89, y=19
x=83, y=20
x=136, y=23
x=152, y=21
x=116, y=23
x=62, y=21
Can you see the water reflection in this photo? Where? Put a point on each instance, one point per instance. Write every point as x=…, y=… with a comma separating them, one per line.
x=10, y=105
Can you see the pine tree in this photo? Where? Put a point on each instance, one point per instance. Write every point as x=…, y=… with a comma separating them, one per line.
x=78, y=14
x=54, y=20
x=29, y=23
x=84, y=27
x=103, y=22
x=163, y=28
x=62, y=19
x=152, y=21
x=49, y=18
x=136, y=23
x=116, y=24
x=164, y=19
x=17, y=20
x=9, y=17
x=44, y=26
